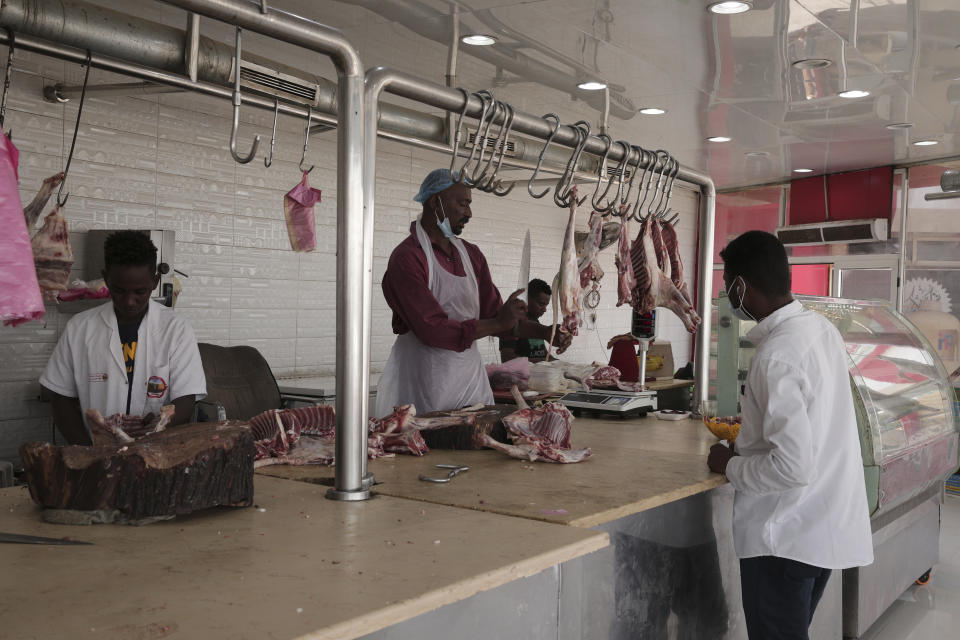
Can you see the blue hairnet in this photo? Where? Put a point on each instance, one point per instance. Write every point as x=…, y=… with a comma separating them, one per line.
x=435, y=182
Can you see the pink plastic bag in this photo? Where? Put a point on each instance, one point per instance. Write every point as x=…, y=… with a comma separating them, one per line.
x=298, y=208
x=20, y=298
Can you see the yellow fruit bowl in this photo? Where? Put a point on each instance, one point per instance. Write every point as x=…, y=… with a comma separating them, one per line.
x=724, y=428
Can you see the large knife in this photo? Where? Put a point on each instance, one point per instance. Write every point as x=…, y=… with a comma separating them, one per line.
x=25, y=539
x=524, y=268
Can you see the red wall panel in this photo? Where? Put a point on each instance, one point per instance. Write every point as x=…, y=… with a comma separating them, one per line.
x=807, y=201
x=810, y=279
x=857, y=195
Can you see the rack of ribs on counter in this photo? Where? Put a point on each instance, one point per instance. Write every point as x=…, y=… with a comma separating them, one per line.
x=163, y=474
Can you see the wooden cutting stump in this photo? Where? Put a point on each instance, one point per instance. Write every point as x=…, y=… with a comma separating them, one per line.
x=156, y=477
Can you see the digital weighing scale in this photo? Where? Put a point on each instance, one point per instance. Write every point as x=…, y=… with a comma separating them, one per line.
x=621, y=403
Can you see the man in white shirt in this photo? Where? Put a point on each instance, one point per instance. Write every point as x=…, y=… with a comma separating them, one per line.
x=800, y=508
x=130, y=355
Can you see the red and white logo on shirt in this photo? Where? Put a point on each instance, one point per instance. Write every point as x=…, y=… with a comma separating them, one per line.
x=156, y=387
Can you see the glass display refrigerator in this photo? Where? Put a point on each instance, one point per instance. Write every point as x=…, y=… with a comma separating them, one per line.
x=908, y=427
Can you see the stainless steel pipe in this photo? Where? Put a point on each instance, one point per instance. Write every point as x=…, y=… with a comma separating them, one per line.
x=351, y=429
x=380, y=79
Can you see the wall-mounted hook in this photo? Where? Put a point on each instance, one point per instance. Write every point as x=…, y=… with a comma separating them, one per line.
x=76, y=128
x=236, y=112
x=306, y=138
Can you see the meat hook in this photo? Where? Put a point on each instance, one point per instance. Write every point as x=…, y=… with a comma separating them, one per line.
x=651, y=210
x=6, y=80
x=481, y=182
x=651, y=168
x=306, y=139
x=236, y=112
x=673, y=179
x=273, y=137
x=485, y=103
x=76, y=127
x=621, y=171
x=669, y=164
x=561, y=196
x=480, y=139
x=556, y=127
x=625, y=197
x=608, y=141
x=492, y=185
x=458, y=175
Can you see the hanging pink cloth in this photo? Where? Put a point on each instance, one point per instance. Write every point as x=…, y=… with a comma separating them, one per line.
x=298, y=208
x=20, y=298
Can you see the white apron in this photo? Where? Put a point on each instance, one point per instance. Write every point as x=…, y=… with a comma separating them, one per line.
x=430, y=378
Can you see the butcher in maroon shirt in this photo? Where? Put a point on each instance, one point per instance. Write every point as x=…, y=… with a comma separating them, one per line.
x=443, y=300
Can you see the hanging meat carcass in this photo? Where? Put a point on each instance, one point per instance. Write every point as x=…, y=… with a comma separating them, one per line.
x=676, y=264
x=588, y=264
x=52, y=254
x=566, y=285
x=626, y=282
x=654, y=288
x=32, y=211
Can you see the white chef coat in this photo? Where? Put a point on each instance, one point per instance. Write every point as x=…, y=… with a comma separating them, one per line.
x=88, y=362
x=800, y=492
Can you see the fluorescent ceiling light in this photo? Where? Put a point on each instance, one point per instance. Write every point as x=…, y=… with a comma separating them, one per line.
x=854, y=93
x=478, y=39
x=653, y=111
x=925, y=143
x=729, y=7
x=757, y=154
x=900, y=125
x=803, y=170
x=592, y=85
x=812, y=63
x=718, y=139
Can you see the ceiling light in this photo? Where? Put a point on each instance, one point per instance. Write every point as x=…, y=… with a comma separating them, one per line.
x=925, y=143
x=803, y=170
x=718, y=139
x=854, y=93
x=757, y=154
x=900, y=125
x=653, y=111
x=812, y=63
x=729, y=7
x=478, y=39
x=592, y=85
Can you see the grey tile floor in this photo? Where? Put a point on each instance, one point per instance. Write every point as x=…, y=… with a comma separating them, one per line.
x=930, y=612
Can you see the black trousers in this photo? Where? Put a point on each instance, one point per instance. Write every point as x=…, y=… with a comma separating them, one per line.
x=780, y=596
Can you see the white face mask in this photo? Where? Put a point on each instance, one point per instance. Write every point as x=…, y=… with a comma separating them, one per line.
x=739, y=311
x=444, y=226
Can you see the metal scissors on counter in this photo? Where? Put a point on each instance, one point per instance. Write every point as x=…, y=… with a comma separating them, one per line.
x=454, y=470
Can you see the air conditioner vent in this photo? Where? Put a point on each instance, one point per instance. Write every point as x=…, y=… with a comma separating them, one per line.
x=275, y=84
x=839, y=232
x=491, y=142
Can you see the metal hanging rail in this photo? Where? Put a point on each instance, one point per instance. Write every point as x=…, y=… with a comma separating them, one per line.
x=351, y=429
x=380, y=79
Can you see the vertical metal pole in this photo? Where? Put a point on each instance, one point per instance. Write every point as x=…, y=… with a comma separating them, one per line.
x=193, y=46
x=902, y=264
x=351, y=403
x=701, y=365
x=451, y=76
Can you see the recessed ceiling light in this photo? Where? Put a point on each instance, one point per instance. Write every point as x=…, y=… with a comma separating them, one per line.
x=812, y=63
x=729, y=7
x=478, y=39
x=653, y=111
x=718, y=139
x=803, y=170
x=592, y=85
x=854, y=93
x=925, y=143
x=900, y=125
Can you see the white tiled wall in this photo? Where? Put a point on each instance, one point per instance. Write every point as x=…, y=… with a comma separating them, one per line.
x=163, y=162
